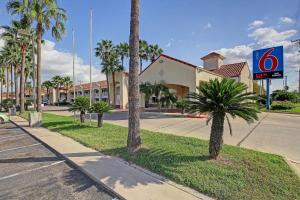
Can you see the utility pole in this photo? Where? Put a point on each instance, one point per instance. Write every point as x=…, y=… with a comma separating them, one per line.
x=297, y=41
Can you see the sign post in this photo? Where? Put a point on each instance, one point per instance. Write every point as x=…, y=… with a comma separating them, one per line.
x=268, y=64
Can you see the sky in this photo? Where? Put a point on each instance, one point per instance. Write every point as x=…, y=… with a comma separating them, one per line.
x=187, y=30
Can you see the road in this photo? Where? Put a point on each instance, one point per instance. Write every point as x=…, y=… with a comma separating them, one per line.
x=28, y=170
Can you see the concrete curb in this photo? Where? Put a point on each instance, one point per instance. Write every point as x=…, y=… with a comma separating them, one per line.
x=292, y=165
x=70, y=162
x=290, y=113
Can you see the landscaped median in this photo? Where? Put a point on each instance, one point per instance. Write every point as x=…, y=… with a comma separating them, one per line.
x=238, y=174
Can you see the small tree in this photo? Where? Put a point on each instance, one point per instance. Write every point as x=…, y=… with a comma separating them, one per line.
x=147, y=89
x=218, y=99
x=81, y=104
x=100, y=108
x=182, y=105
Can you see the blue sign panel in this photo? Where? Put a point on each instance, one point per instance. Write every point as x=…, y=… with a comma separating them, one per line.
x=268, y=63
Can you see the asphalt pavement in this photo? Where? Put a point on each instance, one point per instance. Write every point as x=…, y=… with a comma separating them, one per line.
x=29, y=171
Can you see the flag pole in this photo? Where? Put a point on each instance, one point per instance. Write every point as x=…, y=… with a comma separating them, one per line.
x=74, y=89
x=91, y=43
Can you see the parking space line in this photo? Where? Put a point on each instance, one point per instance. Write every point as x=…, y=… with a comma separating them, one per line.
x=22, y=147
x=3, y=138
x=31, y=170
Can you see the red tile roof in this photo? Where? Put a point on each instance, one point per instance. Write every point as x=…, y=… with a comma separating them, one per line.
x=86, y=86
x=231, y=70
x=182, y=62
x=213, y=54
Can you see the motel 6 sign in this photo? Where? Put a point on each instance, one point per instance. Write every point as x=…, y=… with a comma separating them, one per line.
x=268, y=63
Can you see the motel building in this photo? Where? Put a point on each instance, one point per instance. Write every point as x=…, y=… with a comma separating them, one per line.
x=179, y=76
x=99, y=91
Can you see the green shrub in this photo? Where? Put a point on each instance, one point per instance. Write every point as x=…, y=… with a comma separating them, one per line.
x=7, y=103
x=283, y=95
x=182, y=105
x=282, y=105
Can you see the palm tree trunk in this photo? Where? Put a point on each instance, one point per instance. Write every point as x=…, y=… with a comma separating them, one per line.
x=216, y=135
x=114, y=89
x=11, y=81
x=107, y=87
x=134, y=138
x=16, y=85
x=39, y=67
x=57, y=94
x=100, y=119
x=22, y=84
x=1, y=92
x=82, y=117
x=7, y=82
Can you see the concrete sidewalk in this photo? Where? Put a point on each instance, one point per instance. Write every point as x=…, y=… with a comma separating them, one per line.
x=129, y=181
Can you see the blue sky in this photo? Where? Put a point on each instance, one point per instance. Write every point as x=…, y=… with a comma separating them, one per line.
x=186, y=29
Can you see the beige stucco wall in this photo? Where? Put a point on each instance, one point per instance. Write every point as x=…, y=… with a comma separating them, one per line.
x=203, y=75
x=121, y=80
x=212, y=63
x=246, y=77
x=170, y=72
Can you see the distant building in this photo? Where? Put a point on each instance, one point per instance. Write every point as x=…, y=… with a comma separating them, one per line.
x=99, y=91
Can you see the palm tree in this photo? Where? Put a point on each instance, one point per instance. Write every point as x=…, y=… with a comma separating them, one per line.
x=47, y=15
x=158, y=90
x=112, y=63
x=18, y=41
x=81, y=104
x=134, y=135
x=2, y=82
x=100, y=108
x=57, y=82
x=123, y=51
x=168, y=98
x=153, y=52
x=103, y=50
x=67, y=83
x=220, y=99
x=143, y=53
x=147, y=89
x=47, y=84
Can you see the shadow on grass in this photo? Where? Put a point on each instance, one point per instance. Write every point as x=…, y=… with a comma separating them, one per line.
x=65, y=126
x=156, y=158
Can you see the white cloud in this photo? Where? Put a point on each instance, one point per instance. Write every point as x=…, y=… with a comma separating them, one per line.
x=236, y=54
x=255, y=24
x=1, y=40
x=55, y=62
x=269, y=36
x=207, y=26
x=286, y=20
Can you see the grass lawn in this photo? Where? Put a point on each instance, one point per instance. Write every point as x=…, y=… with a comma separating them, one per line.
x=295, y=110
x=239, y=174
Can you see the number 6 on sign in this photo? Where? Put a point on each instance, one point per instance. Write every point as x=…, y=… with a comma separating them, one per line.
x=268, y=63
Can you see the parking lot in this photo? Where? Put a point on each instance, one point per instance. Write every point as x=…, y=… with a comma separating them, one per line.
x=28, y=170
